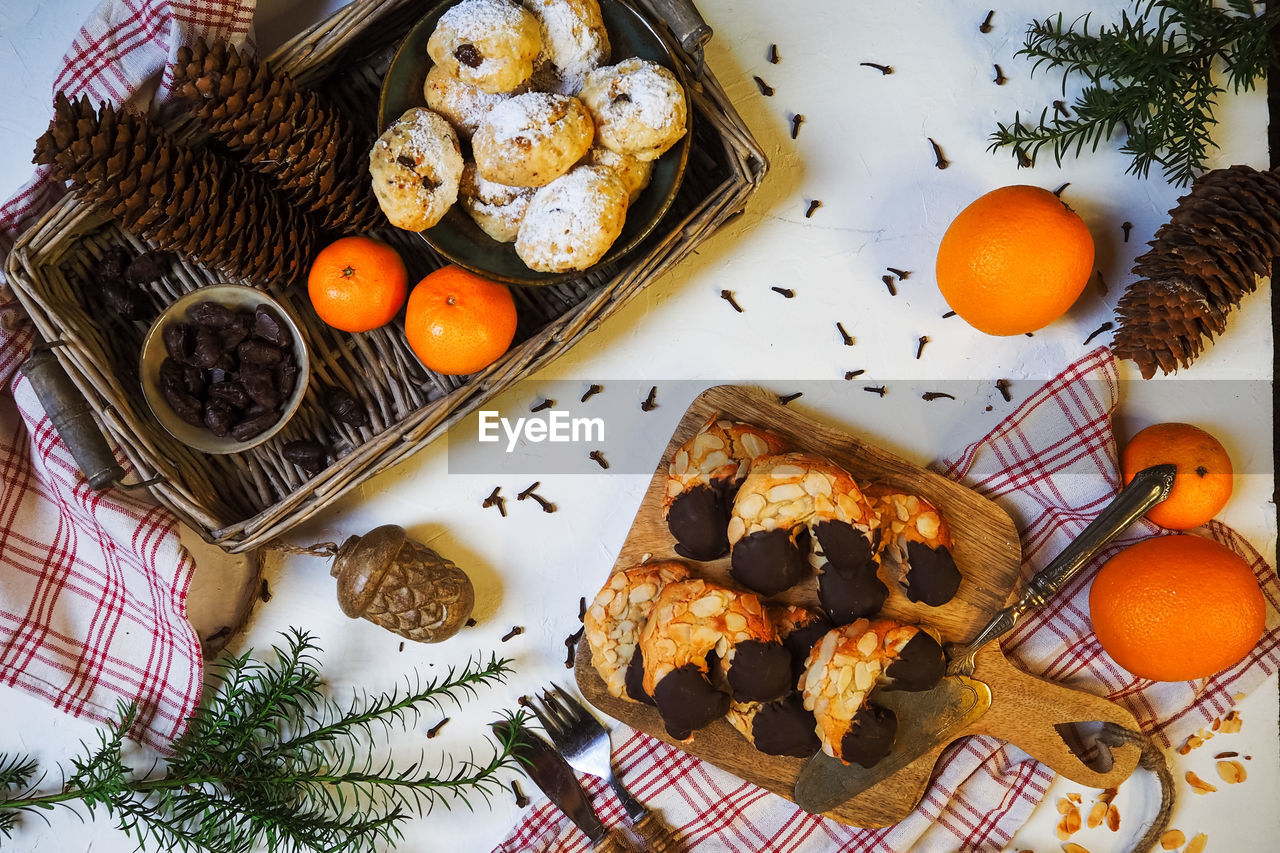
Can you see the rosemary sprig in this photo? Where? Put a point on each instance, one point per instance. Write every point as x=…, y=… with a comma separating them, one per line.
x=268, y=759
x=1156, y=75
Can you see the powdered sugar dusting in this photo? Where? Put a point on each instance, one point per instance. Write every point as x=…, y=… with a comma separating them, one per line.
x=638, y=105
x=572, y=221
x=574, y=39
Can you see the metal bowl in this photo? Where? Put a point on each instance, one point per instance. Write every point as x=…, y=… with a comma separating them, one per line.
x=237, y=297
x=456, y=236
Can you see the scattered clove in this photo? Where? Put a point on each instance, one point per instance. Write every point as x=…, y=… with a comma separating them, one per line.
x=929, y=396
x=599, y=458
x=844, y=335
x=582, y=608
x=545, y=404
x=813, y=206
x=1000, y=79
x=571, y=646
x=902, y=275
x=522, y=495
x=853, y=374
x=1060, y=108
x=985, y=26
x=547, y=506
x=1105, y=327
x=435, y=730
x=1058, y=191
x=515, y=631
x=876, y=389
x=650, y=403
x=400, y=647
x=941, y=161
x=796, y=120
x=786, y=292
x=1024, y=161
x=591, y=392
x=1002, y=385
x=1126, y=227
x=765, y=88
x=773, y=56
x=888, y=282
x=727, y=296
x=883, y=69
x=471, y=623
x=924, y=339
x=948, y=315
x=264, y=591
x=1102, y=283
x=787, y=398
x=497, y=500
x=521, y=800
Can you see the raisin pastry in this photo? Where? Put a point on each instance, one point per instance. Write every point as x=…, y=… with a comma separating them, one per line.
x=529, y=140
x=415, y=166
x=795, y=508
x=639, y=107
x=571, y=223
x=635, y=174
x=463, y=105
x=613, y=622
x=785, y=726
x=915, y=542
x=497, y=208
x=702, y=478
x=705, y=644
x=848, y=665
x=574, y=41
x=490, y=44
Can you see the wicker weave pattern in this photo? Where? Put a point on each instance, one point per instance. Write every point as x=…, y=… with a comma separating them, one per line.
x=242, y=501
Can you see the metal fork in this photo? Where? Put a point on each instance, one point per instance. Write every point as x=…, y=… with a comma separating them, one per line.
x=585, y=744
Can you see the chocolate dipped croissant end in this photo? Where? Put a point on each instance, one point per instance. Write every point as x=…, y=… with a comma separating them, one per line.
x=915, y=542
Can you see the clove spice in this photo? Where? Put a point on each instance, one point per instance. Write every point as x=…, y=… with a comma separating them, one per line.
x=522, y=801
x=985, y=26
x=571, y=646
x=264, y=592
x=941, y=161
x=773, y=57
x=1002, y=385
x=648, y=404
x=1000, y=78
x=929, y=396
x=787, y=398
x=591, y=392
x=582, y=608
x=545, y=404
x=599, y=459
x=853, y=374
x=1126, y=227
x=515, y=631
x=901, y=274
x=1060, y=108
x=497, y=500
x=924, y=339
x=888, y=282
x=786, y=292
x=1105, y=327
x=727, y=296
x=876, y=389
x=1024, y=161
x=948, y=315
x=796, y=120
x=813, y=206
x=765, y=88
x=435, y=730
x=1058, y=191
x=844, y=335
x=883, y=69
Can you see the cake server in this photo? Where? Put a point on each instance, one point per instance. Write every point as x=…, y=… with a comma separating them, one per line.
x=931, y=718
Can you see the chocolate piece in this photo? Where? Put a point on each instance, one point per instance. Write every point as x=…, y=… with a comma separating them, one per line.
x=699, y=521
x=306, y=454
x=267, y=327
x=769, y=561
x=178, y=341
x=843, y=546
x=231, y=393
x=920, y=665
x=259, y=383
x=635, y=679
x=218, y=417
x=847, y=595
x=785, y=728
x=257, y=352
x=208, y=348
x=687, y=701
x=212, y=314
x=287, y=374
x=339, y=403
x=232, y=336
x=800, y=642
x=933, y=578
x=870, y=737
x=760, y=671
x=246, y=430
x=147, y=267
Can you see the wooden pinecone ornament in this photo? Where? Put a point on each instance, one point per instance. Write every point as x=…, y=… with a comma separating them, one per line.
x=176, y=198
x=399, y=583
x=279, y=129
x=1220, y=241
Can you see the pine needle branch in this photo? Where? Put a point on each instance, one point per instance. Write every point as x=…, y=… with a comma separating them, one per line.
x=1154, y=77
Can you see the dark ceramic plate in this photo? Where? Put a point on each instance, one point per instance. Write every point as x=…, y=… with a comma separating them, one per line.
x=457, y=237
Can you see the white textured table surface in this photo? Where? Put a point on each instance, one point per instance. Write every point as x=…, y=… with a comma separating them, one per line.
x=864, y=152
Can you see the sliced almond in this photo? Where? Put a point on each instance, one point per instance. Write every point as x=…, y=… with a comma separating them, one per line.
x=1113, y=817
x=1064, y=805
x=1231, y=772
x=1199, y=785
x=1231, y=723
x=1070, y=823
x=1075, y=798
x=1197, y=843
x=1172, y=839
x=1072, y=847
x=1108, y=795
x=1097, y=815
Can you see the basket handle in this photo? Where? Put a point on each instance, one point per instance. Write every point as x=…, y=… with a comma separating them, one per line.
x=685, y=22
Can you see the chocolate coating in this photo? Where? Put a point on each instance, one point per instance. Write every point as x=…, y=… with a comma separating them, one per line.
x=687, y=701
x=699, y=520
x=870, y=736
x=800, y=642
x=786, y=728
x=769, y=561
x=846, y=596
x=933, y=578
x=920, y=665
x=843, y=546
x=761, y=672
x=634, y=678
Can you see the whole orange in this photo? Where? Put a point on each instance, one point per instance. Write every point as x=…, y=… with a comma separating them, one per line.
x=1203, y=482
x=357, y=284
x=1014, y=260
x=458, y=322
x=1177, y=607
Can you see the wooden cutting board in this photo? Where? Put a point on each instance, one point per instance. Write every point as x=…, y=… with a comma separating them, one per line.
x=987, y=551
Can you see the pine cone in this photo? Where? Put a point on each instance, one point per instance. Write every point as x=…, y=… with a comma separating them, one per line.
x=278, y=129
x=177, y=198
x=1220, y=240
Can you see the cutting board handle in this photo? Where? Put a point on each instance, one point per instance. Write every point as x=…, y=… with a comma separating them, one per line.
x=1025, y=711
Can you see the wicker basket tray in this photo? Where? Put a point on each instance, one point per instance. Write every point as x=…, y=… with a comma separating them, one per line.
x=242, y=501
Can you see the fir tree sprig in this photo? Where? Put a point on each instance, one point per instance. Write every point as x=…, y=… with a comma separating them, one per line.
x=268, y=760
x=1156, y=75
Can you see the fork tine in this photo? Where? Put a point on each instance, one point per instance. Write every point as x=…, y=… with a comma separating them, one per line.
x=543, y=717
x=572, y=707
x=560, y=719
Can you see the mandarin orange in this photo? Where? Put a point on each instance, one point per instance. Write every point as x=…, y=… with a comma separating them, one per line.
x=1202, y=485
x=458, y=322
x=357, y=284
x=1175, y=608
x=1014, y=260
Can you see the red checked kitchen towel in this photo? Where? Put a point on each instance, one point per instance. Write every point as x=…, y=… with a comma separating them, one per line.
x=92, y=585
x=1052, y=464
